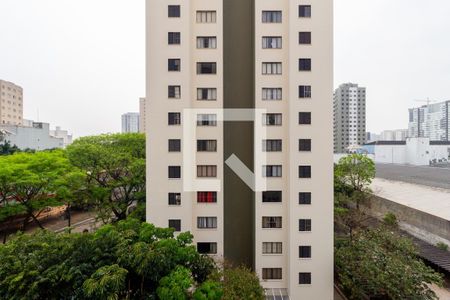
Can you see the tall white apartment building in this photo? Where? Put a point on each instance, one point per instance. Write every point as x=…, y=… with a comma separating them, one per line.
x=349, y=117
x=209, y=63
x=142, y=115
x=130, y=122
x=430, y=121
x=11, y=103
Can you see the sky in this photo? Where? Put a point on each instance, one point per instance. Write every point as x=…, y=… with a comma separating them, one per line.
x=82, y=62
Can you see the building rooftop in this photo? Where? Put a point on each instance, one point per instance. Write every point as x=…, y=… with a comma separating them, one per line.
x=422, y=175
x=431, y=200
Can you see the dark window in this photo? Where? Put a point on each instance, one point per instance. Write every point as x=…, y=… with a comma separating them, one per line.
x=304, y=11
x=174, y=118
x=206, y=145
x=206, y=120
x=304, y=64
x=304, y=251
x=271, y=16
x=174, y=145
x=304, y=145
x=304, y=37
x=174, y=11
x=272, y=145
x=272, y=222
x=304, y=91
x=272, y=248
x=304, y=171
x=207, y=222
x=207, y=248
x=272, y=196
x=174, y=199
x=272, y=273
x=175, y=224
x=206, y=171
x=304, y=118
x=174, y=91
x=206, y=68
x=272, y=119
x=206, y=197
x=208, y=94
x=174, y=172
x=174, y=38
x=174, y=64
x=304, y=225
x=304, y=198
x=206, y=42
x=272, y=171
x=304, y=278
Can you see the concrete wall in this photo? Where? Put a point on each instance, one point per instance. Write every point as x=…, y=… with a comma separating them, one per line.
x=420, y=224
x=37, y=137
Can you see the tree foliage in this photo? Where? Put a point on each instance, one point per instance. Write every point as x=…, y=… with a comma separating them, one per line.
x=241, y=283
x=379, y=263
x=7, y=149
x=115, y=168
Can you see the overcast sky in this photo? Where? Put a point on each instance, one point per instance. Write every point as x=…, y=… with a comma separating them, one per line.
x=82, y=62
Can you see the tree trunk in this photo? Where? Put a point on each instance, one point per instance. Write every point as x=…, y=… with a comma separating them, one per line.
x=69, y=218
x=37, y=221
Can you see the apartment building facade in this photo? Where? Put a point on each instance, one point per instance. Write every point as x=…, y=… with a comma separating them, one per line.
x=11, y=103
x=208, y=61
x=142, y=115
x=130, y=122
x=349, y=117
x=430, y=121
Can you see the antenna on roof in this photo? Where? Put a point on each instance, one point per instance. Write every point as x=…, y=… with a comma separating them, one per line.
x=428, y=101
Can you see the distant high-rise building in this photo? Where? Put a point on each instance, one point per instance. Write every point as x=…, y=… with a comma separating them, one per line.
x=130, y=122
x=430, y=121
x=349, y=117
x=11, y=103
x=394, y=135
x=228, y=82
x=142, y=115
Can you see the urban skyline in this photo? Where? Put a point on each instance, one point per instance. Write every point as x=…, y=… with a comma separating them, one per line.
x=116, y=77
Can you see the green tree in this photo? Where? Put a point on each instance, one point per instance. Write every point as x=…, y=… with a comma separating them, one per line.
x=7, y=149
x=106, y=283
x=379, y=263
x=241, y=283
x=115, y=171
x=29, y=179
x=175, y=285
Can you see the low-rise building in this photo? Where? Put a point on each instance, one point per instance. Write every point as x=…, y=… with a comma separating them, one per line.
x=37, y=137
x=64, y=134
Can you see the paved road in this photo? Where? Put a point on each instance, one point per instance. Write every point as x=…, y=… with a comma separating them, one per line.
x=429, y=176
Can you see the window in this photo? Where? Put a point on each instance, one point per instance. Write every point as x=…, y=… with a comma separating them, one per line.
x=207, y=197
x=206, y=42
x=175, y=199
x=272, y=94
x=206, y=145
x=206, y=171
x=304, y=118
x=206, y=16
x=304, y=37
x=174, y=92
x=174, y=11
x=271, y=42
x=304, y=64
x=304, y=252
x=208, y=94
x=174, y=145
x=272, y=145
x=174, y=172
x=174, y=118
x=272, y=222
x=304, y=225
x=206, y=68
x=206, y=120
x=272, y=196
x=272, y=119
x=304, y=11
x=304, y=278
x=304, y=145
x=207, y=248
x=272, y=274
x=271, y=16
x=272, y=171
x=174, y=64
x=272, y=248
x=271, y=68
x=174, y=38
x=175, y=224
x=304, y=91
x=206, y=222
x=304, y=171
